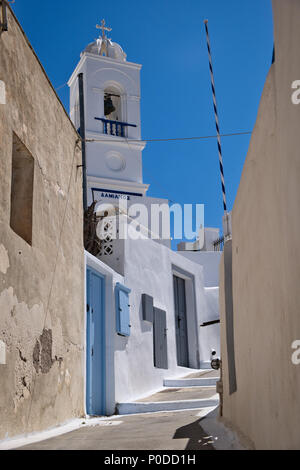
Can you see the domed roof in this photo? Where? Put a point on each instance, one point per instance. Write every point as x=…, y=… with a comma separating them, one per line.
x=104, y=46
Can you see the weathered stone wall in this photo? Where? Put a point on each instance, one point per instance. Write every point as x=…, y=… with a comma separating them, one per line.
x=266, y=259
x=42, y=284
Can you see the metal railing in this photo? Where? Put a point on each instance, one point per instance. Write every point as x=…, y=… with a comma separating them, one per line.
x=116, y=128
x=219, y=244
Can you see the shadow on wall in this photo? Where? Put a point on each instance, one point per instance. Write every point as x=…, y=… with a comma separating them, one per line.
x=121, y=342
x=145, y=325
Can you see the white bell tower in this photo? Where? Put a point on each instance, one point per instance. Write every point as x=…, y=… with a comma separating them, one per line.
x=112, y=120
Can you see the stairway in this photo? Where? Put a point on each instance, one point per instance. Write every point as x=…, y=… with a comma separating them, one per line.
x=197, y=390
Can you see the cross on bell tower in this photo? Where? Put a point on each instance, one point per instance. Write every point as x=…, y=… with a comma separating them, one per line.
x=103, y=40
x=103, y=28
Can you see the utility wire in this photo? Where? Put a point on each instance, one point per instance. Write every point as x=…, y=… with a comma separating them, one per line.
x=157, y=184
x=53, y=274
x=61, y=86
x=172, y=139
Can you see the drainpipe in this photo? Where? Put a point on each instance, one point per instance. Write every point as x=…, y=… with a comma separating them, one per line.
x=216, y=364
x=82, y=135
x=220, y=389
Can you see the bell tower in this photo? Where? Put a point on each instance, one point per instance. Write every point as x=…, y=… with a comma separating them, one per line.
x=112, y=119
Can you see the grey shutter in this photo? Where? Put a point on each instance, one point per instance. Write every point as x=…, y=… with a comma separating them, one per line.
x=160, y=344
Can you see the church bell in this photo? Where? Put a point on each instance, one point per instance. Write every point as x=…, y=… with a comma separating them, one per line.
x=108, y=105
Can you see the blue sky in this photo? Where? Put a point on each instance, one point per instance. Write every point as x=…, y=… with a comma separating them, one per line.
x=168, y=38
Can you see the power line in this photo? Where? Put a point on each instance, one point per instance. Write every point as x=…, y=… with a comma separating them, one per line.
x=62, y=226
x=157, y=184
x=61, y=86
x=175, y=139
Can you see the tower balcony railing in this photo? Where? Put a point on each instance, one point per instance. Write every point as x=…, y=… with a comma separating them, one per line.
x=116, y=128
x=219, y=244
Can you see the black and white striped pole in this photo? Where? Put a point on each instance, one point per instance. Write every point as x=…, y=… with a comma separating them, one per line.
x=216, y=117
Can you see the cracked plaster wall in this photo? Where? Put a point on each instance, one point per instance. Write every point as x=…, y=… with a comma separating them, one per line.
x=41, y=286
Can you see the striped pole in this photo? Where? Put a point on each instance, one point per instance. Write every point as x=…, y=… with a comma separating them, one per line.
x=216, y=117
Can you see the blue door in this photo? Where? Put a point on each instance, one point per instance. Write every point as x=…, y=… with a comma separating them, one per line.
x=95, y=341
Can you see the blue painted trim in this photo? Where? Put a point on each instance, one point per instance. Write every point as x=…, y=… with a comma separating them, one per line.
x=102, y=326
x=116, y=128
x=120, y=287
x=115, y=122
x=88, y=344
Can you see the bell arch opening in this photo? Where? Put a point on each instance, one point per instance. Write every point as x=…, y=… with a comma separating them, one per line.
x=113, y=104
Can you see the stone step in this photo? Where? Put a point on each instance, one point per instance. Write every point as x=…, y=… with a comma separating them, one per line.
x=172, y=399
x=152, y=407
x=193, y=382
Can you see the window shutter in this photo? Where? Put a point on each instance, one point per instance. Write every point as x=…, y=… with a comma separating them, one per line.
x=122, y=310
x=160, y=345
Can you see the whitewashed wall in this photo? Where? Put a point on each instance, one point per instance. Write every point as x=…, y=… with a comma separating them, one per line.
x=210, y=260
x=148, y=269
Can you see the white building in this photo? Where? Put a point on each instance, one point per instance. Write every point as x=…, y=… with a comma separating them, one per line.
x=148, y=308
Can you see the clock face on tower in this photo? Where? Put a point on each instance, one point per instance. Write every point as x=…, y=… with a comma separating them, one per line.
x=115, y=161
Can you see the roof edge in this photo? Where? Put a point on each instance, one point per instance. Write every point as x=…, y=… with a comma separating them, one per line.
x=42, y=68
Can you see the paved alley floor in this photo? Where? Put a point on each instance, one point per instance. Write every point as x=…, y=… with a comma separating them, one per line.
x=180, y=430
x=192, y=393
x=203, y=374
